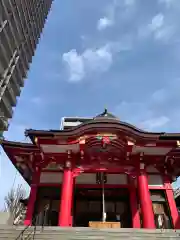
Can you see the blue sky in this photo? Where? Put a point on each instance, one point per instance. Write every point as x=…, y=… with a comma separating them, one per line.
x=119, y=54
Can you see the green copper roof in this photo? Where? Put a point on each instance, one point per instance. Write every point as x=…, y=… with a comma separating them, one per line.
x=106, y=114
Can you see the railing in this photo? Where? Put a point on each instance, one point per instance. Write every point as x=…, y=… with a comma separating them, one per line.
x=24, y=234
x=29, y=234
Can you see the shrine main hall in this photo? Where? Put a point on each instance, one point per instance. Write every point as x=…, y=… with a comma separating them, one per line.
x=101, y=173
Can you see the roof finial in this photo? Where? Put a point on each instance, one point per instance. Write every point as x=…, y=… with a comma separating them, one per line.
x=105, y=114
x=105, y=111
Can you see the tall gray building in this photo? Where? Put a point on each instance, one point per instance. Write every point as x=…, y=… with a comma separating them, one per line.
x=21, y=23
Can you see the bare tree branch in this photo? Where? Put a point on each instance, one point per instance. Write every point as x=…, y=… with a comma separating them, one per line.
x=13, y=205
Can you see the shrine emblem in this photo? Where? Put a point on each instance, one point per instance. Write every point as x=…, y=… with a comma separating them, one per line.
x=106, y=137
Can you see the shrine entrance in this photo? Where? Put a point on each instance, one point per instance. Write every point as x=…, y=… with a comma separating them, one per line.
x=88, y=207
x=47, y=206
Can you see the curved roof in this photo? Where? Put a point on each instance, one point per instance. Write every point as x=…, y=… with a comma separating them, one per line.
x=20, y=155
x=104, y=122
x=97, y=124
x=150, y=143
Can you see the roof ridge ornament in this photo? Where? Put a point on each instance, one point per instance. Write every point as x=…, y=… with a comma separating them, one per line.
x=105, y=111
x=105, y=114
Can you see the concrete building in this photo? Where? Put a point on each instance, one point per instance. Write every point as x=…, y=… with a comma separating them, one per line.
x=70, y=122
x=21, y=23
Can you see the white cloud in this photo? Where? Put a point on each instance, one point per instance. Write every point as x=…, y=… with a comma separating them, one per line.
x=109, y=19
x=115, y=8
x=157, y=22
x=75, y=65
x=96, y=60
x=155, y=123
x=166, y=94
x=160, y=96
x=129, y=2
x=144, y=118
x=103, y=23
x=153, y=27
x=168, y=3
x=158, y=29
x=157, y=112
x=164, y=33
x=99, y=59
x=91, y=60
x=125, y=44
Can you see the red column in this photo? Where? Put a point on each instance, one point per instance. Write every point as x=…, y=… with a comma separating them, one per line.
x=172, y=204
x=145, y=200
x=66, y=199
x=134, y=206
x=32, y=198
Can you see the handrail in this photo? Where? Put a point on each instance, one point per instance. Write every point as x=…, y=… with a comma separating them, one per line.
x=34, y=222
x=21, y=235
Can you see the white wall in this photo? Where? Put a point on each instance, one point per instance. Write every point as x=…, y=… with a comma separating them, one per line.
x=151, y=169
x=116, y=179
x=155, y=180
x=84, y=178
x=55, y=177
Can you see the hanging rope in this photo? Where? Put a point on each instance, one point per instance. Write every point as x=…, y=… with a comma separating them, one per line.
x=15, y=177
x=14, y=181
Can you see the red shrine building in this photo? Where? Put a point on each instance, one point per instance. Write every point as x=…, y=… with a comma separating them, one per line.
x=102, y=170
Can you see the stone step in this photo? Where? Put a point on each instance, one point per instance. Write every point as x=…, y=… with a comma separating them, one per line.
x=107, y=237
x=96, y=231
x=56, y=233
x=103, y=236
x=89, y=234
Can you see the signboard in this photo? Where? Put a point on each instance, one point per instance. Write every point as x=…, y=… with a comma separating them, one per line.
x=104, y=224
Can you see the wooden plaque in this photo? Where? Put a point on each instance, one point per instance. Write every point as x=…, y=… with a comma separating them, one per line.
x=104, y=224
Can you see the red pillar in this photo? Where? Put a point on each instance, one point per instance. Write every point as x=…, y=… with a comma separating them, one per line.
x=145, y=201
x=32, y=198
x=66, y=199
x=133, y=202
x=172, y=204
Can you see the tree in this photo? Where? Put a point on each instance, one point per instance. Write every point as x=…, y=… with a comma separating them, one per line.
x=14, y=206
